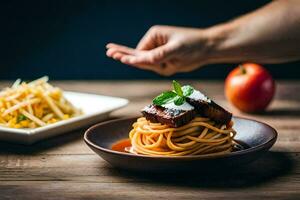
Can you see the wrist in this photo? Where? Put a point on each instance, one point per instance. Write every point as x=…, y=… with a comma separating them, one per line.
x=220, y=43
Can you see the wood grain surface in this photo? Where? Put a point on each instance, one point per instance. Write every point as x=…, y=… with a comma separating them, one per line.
x=63, y=167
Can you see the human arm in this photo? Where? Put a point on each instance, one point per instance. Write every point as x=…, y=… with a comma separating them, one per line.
x=270, y=34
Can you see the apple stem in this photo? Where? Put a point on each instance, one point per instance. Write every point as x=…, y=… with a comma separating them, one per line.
x=242, y=68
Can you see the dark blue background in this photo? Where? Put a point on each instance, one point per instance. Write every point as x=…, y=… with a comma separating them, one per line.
x=66, y=39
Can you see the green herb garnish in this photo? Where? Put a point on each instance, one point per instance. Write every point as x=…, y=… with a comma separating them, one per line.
x=21, y=118
x=177, y=88
x=164, y=98
x=177, y=96
x=179, y=100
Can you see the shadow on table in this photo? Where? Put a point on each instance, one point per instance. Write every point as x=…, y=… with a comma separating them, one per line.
x=44, y=145
x=282, y=112
x=39, y=147
x=269, y=167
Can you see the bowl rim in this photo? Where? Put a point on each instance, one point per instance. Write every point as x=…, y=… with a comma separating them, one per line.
x=267, y=144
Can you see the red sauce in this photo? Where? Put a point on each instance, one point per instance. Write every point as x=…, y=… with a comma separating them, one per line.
x=121, y=145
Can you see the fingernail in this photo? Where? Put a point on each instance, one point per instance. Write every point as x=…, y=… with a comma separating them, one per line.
x=109, y=53
x=108, y=45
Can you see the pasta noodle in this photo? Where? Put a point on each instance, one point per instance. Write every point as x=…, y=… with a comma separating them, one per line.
x=200, y=136
x=34, y=104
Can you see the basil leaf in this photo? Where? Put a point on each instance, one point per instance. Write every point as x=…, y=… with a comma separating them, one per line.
x=187, y=90
x=164, y=97
x=177, y=88
x=179, y=100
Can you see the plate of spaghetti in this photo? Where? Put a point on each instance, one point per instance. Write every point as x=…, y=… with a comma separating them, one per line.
x=182, y=129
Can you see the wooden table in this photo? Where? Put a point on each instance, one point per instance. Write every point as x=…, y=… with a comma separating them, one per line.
x=65, y=168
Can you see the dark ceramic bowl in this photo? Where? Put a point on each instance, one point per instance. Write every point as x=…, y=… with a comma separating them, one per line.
x=258, y=136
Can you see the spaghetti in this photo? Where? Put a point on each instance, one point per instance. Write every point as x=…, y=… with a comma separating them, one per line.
x=200, y=136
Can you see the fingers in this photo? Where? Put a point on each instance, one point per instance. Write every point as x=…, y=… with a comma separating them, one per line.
x=162, y=68
x=139, y=57
x=117, y=56
x=143, y=59
x=136, y=56
x=116, y=48
x=116, y=51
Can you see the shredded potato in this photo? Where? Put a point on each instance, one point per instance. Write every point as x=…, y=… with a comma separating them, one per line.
x=34, y=104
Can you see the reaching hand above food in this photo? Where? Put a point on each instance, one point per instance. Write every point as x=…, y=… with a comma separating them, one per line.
x=167, y=50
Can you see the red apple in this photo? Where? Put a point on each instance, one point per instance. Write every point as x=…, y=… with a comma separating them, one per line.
x=250, y=87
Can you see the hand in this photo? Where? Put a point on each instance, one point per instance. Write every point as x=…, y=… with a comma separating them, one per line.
x=165, y=50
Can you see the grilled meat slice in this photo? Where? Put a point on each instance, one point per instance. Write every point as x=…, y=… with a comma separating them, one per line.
x=168, y=116
x=208, y=108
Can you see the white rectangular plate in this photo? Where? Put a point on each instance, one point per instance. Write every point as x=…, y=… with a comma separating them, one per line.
x=95, y=108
